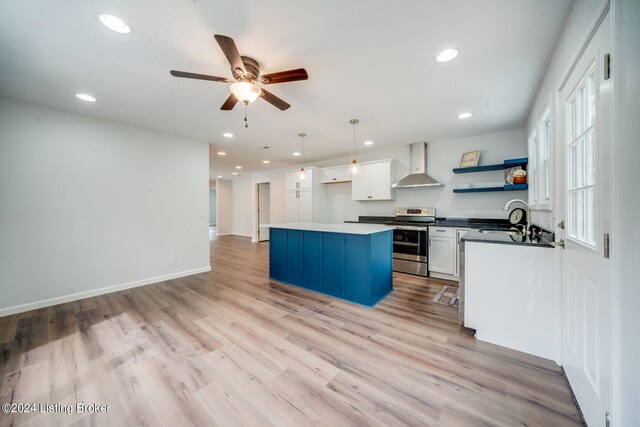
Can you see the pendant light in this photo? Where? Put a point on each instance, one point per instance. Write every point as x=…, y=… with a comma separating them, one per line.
x=354, y=168
x=301, y=173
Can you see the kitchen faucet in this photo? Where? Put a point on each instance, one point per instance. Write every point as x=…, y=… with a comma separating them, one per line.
x=507, y=206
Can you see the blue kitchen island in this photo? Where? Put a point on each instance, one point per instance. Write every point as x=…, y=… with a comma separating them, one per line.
x=348, y=261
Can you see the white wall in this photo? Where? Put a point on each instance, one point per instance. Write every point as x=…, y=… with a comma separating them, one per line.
x=89, y=204
x=578, y=25
x=626, y=205
x=443, y=156
x=243, y=206
x=224, y=207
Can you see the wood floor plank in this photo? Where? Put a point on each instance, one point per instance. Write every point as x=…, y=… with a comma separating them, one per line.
x=232, y=347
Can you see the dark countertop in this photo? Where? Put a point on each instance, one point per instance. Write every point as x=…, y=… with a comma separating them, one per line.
x=543, y=238
x=440, y=222
x=506, y=239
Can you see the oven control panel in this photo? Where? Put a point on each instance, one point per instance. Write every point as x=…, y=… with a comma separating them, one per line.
x=416, y=212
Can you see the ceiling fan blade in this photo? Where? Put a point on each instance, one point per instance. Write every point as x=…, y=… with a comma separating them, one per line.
x=229, y=103
x=199, y=76
x=274, y=100
x=284, y=76
x=230, y=50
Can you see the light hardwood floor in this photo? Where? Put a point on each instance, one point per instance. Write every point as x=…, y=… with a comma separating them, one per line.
x=231, y=347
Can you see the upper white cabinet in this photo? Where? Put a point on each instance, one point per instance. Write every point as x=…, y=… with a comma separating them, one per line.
x=306, y=198
x=294, y=181
x=373, y=181
x=336, y=174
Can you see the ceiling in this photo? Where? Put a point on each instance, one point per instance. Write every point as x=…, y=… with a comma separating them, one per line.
x=368, y=59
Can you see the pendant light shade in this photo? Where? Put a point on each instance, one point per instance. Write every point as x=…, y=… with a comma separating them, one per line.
x=301, y=173
x=354, y=168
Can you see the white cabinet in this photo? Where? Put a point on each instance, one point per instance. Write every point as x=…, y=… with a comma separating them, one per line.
x=294, y=181
x=305, y=199
x=441, y=250
x=336, y=174
x=373, y=182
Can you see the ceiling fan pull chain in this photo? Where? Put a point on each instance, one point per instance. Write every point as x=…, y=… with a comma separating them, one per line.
x=246, y=124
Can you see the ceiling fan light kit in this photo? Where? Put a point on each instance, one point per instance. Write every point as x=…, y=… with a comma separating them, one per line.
x=246, y=77
x=245, y=92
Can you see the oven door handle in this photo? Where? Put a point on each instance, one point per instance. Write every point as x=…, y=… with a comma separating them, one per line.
x=410, y=228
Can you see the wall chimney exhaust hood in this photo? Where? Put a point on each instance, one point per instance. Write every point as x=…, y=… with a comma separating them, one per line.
x=418, y=169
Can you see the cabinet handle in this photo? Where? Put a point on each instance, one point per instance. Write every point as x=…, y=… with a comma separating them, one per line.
x=441, y=231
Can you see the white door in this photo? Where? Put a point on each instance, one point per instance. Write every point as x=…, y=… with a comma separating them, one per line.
x=380, y=181
x=292, y=180
x=360, y=184
x=585, y=118
x=305, y=207
x=263, y=211
x=292, y=205
x=441, y=254
x=307, y=181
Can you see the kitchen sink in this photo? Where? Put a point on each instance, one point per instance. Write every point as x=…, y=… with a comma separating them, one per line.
x=509, y=232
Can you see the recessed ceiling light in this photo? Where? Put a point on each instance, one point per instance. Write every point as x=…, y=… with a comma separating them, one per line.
x=266, y=162
x=235, y=173
x=368, y=143
x=238, y=167
x=219, y=176
x=85, y=97
x=464, y=115
x=114, y=23
x=227, y=135
x=446, y=55
x=296, y=153
x=221, y=153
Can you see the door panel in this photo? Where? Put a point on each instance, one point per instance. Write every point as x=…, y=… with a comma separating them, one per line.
x=292, y=206
x=584, y=116
x=441, y=255
x=360, y=184
x=380, y=181
x=264, y=213
x=305, y=206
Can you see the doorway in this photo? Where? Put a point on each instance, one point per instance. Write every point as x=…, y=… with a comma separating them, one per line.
x=585, y=113
x=263, y=192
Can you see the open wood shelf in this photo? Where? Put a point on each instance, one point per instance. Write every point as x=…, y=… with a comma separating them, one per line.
x=511, y=187
x=510, y=163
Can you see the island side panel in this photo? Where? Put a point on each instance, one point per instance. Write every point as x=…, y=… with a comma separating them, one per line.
x=357, y=268
x=381, y=266
x=278, y=254
x=333, y=264
x=294, y=257
x=312, y=260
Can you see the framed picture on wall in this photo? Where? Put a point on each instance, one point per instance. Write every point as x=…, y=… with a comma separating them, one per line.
x=470, y=159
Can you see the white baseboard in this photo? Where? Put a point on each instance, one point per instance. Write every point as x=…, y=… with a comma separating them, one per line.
x=243, y=235
x=100, y=291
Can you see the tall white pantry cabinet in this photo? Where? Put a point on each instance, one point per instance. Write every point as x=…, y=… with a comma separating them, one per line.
x=306, y=198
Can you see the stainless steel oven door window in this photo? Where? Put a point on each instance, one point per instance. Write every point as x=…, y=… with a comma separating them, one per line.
x=410, y=243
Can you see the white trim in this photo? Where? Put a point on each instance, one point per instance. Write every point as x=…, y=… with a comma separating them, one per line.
x=100, y=291
x=594, y=28
x=242, y=235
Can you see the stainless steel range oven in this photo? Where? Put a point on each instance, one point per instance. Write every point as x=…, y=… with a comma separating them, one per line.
x=410, y=237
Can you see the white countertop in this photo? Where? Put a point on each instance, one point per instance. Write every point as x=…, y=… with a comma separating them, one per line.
x=333, y=228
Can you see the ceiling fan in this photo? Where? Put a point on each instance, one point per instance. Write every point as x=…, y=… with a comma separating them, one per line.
x=246, y=76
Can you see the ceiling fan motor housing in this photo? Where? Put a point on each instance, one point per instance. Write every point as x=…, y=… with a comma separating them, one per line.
x=251, y=66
